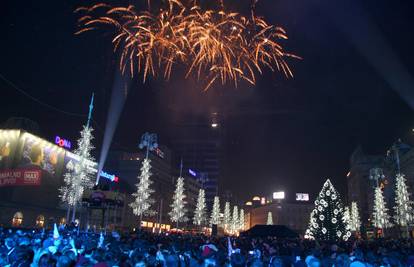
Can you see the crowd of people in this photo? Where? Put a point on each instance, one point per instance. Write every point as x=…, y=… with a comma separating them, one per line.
x=69, y=247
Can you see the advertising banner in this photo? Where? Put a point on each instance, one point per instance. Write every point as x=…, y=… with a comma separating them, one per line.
x=20, y=177
x=37, y=153
x=8, y=145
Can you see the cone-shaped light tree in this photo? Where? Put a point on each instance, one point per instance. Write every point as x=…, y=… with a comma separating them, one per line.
x=355, y=219
x=227, y=217
x=269, y=220
x=347, y=216
x=327, y=218
x=235, y=220
x=178, y=211
x=200, y=210
x=380, y=217
x=403, y=205
x=215, y=212
x=80, y=175
x=143, y=196
x=241, y=220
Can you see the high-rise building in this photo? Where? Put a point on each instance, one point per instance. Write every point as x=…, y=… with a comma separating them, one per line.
x=198, y=146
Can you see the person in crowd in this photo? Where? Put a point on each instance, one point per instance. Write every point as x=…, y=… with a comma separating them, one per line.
x=69, y=248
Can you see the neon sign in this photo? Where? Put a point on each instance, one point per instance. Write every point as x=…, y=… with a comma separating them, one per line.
x=111, y=177
x=63, y=142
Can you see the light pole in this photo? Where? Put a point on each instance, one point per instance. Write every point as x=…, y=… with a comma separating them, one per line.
x=149, y=141
x=376, y=174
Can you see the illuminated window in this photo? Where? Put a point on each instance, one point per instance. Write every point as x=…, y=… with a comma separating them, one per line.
x=150, y=224
x=40, y=221
x=17, y=219
x=144, y=223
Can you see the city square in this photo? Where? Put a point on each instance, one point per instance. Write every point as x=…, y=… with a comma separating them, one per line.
x=207, y=133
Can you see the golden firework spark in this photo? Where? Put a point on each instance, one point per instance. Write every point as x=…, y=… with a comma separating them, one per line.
x=224, y=46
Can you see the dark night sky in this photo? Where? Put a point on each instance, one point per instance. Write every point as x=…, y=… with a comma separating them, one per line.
x=280, y=134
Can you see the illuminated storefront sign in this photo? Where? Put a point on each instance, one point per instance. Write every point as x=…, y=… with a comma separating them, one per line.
x=110, y=177
x=302, y=197
x=279, y=195
x=63, y=142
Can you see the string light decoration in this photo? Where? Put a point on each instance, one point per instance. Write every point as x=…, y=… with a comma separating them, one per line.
x=143, y=201
x=403, y=205
x=355, y=219
x=327, y=218
x=380, y=217
x=215, y=212
x=269, y=220
x=235, y=220
x=227, y=217
x=80, y=175
x=178, y=211
x=241, y=220
x=200, y=211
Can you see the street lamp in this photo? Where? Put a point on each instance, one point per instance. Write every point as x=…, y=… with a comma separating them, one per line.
x=376, y=174
x=149, y=141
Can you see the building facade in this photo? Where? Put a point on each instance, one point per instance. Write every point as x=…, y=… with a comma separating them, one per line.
x=294, y=215
x=365, y=168
x=199, y=148
x=31, y=173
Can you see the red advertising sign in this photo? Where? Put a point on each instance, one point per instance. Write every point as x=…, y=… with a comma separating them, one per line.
x=20, y=177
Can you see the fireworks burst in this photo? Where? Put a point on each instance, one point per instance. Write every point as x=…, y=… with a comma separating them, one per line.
x=222, y=46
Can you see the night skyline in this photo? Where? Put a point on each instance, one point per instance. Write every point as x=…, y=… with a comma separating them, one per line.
x=282, y=134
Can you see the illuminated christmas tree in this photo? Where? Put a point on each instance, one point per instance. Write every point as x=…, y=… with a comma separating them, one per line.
x=227, y=217
x=327, y=218
x=403, y=205
x=80, y=175
x=200, y=211
x=143, y=201
x=347, y=216
x=178, y=211
x=241, y=220
x=380, y=217
x=355, y=224
x=215, y=212
x=235, y=220
x=269, y=218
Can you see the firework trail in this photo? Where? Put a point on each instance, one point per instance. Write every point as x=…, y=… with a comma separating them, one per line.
x=222, y=46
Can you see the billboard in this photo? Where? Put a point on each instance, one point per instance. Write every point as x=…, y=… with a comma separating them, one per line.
x=302, y=197
x=28, y=160
x=20, y=177
x=37, y=154
x=8, y=144
x=279, y=195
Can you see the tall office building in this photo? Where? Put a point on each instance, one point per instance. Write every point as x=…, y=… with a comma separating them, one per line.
x=197, y=144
